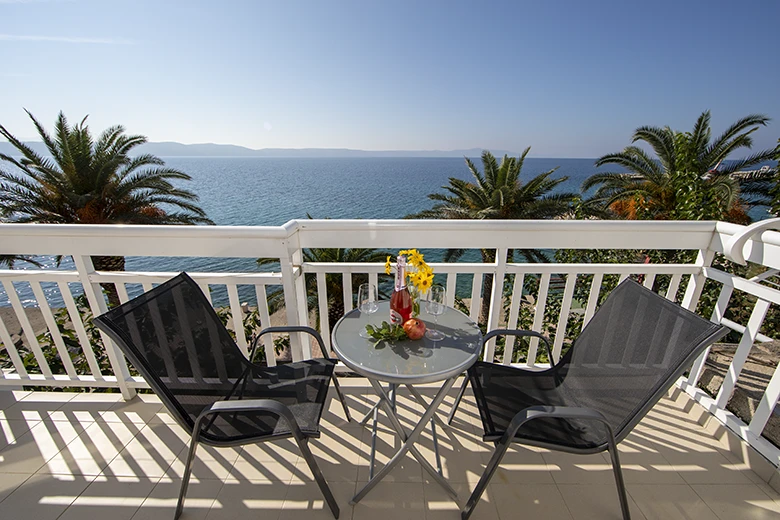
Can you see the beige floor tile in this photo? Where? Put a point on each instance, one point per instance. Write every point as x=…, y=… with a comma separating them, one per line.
x=263, y=471
x=305, y=500
x=10, y=481
x=111, y=498
x=159, y=441
x=85, y=407
x=672, y=502
x=209, y=469
x=710, y=468
x=646, y=468
x=139, y=410
x=387, y=444
x=11, y=430
x=391, y=501
x=596, y=501
x=338, y=457
x=41, y=497
x=281, y=450
x=731, y=501
x=247, y=499
x=38, y=446
x=569, y=468
x=36, y=406
x=440, y=506
x=92, y=450
x=521, y=465
x=9, y=398
x=136, y=470
x=161, y=502
x=532, y=501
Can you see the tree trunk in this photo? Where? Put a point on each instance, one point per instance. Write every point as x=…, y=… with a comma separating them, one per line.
x=109, y=263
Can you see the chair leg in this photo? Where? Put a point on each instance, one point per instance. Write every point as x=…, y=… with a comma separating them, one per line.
x=318, y=477
x=341, y=398
x=491, y=468
x=621, y=486
x=185, y=480
x=458, y=399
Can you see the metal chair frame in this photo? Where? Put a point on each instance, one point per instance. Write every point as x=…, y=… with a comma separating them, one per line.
x=236, y=405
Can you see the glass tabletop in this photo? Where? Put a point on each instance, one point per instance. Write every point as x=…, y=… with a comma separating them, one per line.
x=408, y=362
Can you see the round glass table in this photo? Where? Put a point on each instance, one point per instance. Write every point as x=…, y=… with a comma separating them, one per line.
x=407, y=363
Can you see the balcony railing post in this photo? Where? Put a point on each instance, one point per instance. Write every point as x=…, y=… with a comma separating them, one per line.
x=696, y=283
x=291, y=268
x=97, y=303
x=496, y=299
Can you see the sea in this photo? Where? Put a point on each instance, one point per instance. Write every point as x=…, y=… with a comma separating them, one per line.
x=266, y=191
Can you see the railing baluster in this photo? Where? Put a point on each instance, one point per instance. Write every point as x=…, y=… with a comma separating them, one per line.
x=237, y=315
x=265, y=321
x=767, y=404
x=674, y=285
x=81, y=331
x=206, y=291
x=97, y=303
x=373, y=279
x=743, y=349
x=322, y=301
x=593, y=298
x=29, y=332
x=476, y=296
x=649, y=280
x=541, y=304
x=347, y=280
x=623, y=276
x=147, y=286
x=563, y=318
x=452, y=286
x=717, y=317
x=54, y=330
x=11, y=349
x=496, y=299
x=121, y=291
x=514, y=313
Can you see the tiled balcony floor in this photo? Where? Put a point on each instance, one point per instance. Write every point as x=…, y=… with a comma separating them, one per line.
x=83, y=456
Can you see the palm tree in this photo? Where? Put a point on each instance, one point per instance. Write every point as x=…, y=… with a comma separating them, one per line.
x=498, y=193
x=333, y=282
x=687, y=179
x=93, y=182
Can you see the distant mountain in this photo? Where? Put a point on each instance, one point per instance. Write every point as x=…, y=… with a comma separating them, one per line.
x=171, y=149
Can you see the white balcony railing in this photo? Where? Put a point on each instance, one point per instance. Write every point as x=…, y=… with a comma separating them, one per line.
x=530, y=284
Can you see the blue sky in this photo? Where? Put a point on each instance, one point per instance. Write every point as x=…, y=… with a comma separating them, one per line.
x=569, y=78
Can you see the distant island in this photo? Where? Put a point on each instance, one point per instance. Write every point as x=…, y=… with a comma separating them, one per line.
x=171, y=149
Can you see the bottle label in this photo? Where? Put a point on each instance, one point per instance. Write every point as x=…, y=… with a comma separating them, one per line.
x=395, y=317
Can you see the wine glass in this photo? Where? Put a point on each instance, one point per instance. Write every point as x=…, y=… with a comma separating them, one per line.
x=435, y=306
x=367, y=303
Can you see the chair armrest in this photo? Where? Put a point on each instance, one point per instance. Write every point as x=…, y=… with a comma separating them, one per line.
x=290, y=328
x=516, y=332
x=252, y=405
x=559, y=412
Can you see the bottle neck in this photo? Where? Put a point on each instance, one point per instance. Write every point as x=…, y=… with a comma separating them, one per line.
x=400, y=274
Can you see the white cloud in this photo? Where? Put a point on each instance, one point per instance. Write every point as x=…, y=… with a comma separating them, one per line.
x=64, y=39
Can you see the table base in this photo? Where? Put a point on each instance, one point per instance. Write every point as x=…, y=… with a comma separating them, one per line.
x=388, y=404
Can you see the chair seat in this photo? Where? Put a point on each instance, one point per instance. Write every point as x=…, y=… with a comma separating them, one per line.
x=502, y=391
x=301, y=386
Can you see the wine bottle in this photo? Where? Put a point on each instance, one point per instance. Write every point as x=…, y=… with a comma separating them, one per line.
x=401, y=301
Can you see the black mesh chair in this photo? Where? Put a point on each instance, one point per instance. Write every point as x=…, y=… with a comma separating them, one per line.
x=175, y=340
x=625, y=359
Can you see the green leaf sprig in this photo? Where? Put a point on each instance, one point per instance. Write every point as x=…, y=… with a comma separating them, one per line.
x=386, y=332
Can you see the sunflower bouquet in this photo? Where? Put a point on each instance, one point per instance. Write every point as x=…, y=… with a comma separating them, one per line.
x=419, y=275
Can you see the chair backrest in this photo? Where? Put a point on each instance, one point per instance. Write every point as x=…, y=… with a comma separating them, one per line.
x=632, y=350
x=176, y=341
